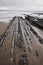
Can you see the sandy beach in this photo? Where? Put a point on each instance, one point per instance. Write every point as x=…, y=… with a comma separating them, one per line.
x=3, y=26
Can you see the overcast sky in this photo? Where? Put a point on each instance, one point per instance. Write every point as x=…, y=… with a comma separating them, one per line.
x=33, y=5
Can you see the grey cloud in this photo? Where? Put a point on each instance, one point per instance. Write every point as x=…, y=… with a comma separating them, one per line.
x=23, y=4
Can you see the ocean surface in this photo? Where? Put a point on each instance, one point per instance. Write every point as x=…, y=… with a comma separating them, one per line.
x=7, y=15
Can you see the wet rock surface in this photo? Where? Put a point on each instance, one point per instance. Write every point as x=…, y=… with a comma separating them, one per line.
x=18, y=44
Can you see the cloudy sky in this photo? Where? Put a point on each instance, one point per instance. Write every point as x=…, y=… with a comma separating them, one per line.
x=33, y=5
